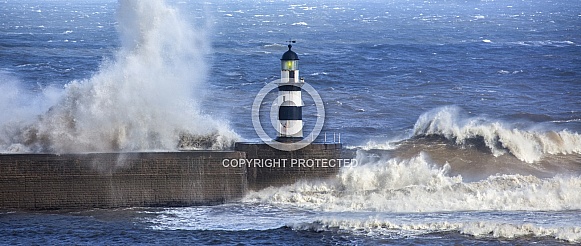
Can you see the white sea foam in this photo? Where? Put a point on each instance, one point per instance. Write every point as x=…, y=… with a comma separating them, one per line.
x=496, y=225
x=145, y=99
x=247, y=217
x=393, y=198
x=384, y=145
x=416, y=185
x=478, y=227
x=527, y=145
x=539, y=43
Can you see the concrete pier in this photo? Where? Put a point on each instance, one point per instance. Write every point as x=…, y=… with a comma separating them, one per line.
x=108, y=180
x=156, y=179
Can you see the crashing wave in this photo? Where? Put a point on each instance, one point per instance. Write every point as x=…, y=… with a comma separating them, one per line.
x=417, y=185
x=142, y=100
x=527, y=145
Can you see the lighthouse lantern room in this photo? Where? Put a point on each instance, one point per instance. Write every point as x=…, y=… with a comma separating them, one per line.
x=290, y=114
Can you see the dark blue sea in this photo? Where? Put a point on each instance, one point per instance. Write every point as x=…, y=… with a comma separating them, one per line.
x=465, y=114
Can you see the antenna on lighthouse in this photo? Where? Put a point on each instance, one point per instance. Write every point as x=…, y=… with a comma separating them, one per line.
x=290, y=41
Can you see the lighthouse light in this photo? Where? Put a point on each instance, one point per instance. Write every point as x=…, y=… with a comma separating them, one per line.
x=290, y=65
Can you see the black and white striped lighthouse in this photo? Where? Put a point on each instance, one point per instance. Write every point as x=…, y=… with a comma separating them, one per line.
x=290, y=114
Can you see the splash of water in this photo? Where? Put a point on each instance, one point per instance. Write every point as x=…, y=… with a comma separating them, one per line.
x=417, y=185
x=142, y=100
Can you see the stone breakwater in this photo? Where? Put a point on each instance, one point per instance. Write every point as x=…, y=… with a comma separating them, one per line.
x=152, y=179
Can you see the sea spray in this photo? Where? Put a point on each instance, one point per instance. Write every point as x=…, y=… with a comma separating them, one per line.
x=417, y=185
x=141, y=100
x=20, y=108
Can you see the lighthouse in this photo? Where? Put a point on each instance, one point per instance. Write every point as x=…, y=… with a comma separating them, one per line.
x=290, y=114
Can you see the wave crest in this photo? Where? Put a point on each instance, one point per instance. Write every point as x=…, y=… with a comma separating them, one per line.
x=404, y=229
x=527, y=145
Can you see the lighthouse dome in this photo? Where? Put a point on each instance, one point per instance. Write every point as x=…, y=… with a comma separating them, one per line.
x=289, y=54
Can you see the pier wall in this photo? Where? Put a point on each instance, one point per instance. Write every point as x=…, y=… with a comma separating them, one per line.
x=154, y=179
x=107, y=180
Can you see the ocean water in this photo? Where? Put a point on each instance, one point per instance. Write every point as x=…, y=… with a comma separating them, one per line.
x=465, y=115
